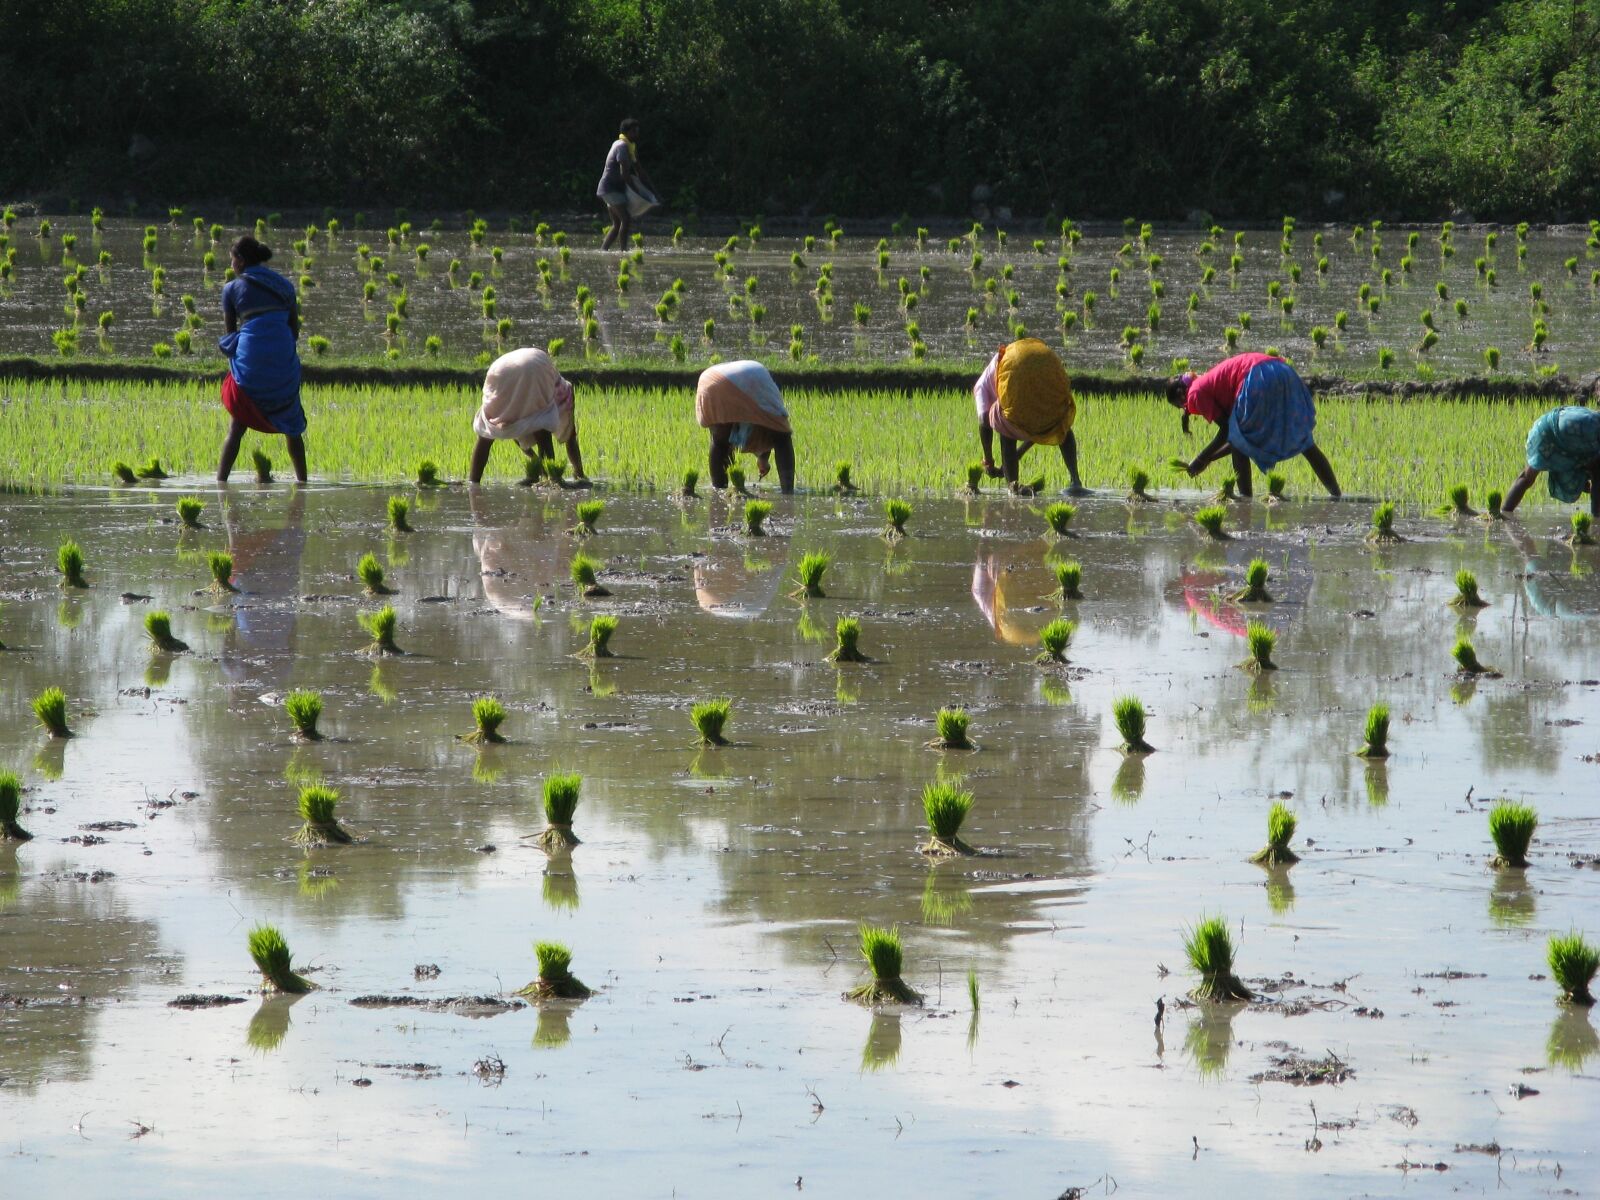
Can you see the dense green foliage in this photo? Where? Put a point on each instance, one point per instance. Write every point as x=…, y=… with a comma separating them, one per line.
x=1070, y=106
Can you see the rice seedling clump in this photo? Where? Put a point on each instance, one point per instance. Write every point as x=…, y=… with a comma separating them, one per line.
x=11, y=808
x=370, y=572
x=1456, y=503
x=710, y=717
x=1467, y=658
x=1261, y=641
x=1382, y=531
x=1069, y=579
x=974, y=478
x=1054, y=639
x=1280, y=830
x=952, y=724
x=560, y=804
x=736, y=481
x=320, y=827
x=898, y=512
x=691, y=480
x=152, y=470
x=1129, y=715
x=271, y=955
x=588, y=513
x=585, y=577
x=1467, y=592
x=755, y=514
x=69, y=560
x=885, y=954
x=847, y=632
x=1582, y=523
x=1375, y=742
x=1492, y=502
x=1210, y=519
x=189, y=510
x=600, y=630
x=1573, y=963
x=262, y=465
x=945, y=806
x=841, y=479
x=1255, y=584
x=381, y=626
x=158, y=628
x=1058, y=516
x=556, y=980
x=427, y=473
x=1139, y=484
x=488, y=714
x=399, y=514
x=1276, y=483
x=1209, y=947
x=812, y=566
x=122, y=473
x=220, y=564
x=50, y=708
x=305, y=710
x=1511, y=826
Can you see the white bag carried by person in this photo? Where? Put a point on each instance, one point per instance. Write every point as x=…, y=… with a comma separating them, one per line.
x=640, y=200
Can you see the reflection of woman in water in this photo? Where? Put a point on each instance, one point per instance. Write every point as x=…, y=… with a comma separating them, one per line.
x=1565, y=442
x=1547, y=580
x=1207, y=592
x=725, y=586
x=526, y=401
x=994, y=587
x=260, y=646
x=516, y=560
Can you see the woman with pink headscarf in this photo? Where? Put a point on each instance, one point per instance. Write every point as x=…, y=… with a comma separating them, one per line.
x=527, y=401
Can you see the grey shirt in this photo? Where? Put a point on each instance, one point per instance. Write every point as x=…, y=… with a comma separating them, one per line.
x=612, y=181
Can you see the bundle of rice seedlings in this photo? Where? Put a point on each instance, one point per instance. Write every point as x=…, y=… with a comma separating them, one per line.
x=1382, y=530
x=691, y=479
x=898, y=512
x=1280, y=829
x=1276, y=482
x=1058, y=516
x=1467, y=592
x=1261, y=641
x=271, y=955
x=427, y=473
x=584, y=577
x=812, y=566
x=399, y=512
x=1054, y=638
x=1226, y=491
x=532, y=471
x=50, y=708
x=841, y=478
x=555, y=471
x=220, y=563
x=1069, y=577
x=1209, y=947
x=381, y=625
x=1255, y=584
x=11, y=808
x=305, y=710
x=848, y=633
x=1210, y=519
x=1582, y=523
x=189, y=510
x=1139, y=484
x=736, y=480
x=1375, y=742
x=263, y=466
x=952, y=724
x=1467, y=658
x=974, y=478
x=69, y=560
x=151, y=470
x=1511, y=825
x=1128, y=713
x=370, y=572
x=1573, y=963
x=320, y=827
x=755, y=512
x=1033, y=487
x=158, y=628
x=556, y=981
x=488, y=714
x=122, y=473
x=1456, y=503
x=945, y=806
x=600, y=630
x=588, y=513
x=1492, y=502
x=885, y=954
x=710, y=717
x=560, y=803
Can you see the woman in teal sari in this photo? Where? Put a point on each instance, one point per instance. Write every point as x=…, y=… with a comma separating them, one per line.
x=1565, y=443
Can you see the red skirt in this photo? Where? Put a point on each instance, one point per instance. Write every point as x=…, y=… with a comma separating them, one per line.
x=241, y=408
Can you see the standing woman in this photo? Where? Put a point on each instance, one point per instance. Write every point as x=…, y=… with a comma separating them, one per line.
x=622, y=172
x=1024, y=396
x=741, y=406
x=262, y=388
x=1263, y=413
x=1566, y=443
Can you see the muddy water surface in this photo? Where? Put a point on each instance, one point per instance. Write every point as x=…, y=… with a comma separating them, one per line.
x=714, y=898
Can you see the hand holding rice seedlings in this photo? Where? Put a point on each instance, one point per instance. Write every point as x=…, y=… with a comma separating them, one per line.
x=1467, y=658
x=50, y=708
x=710, y=717
x=1069, y=578
x=428, y=473
x=381, y=626
x=399, y=511
x=1375, y=742
x=600, y=630
x=1467, y=592
x=952, y=724
x=220, y=564
x=488, y=714
x=1058, y=516
x=945, y=806
x=556, y=981
x=1054, y=639
x=263, y=466
x=1261, y=640
x=271, y=955
x=1255, y=584
x=841, y=478
x=158, y=628
x=1582, y=523
x=691, y=479
x=69, y=560
x=1280, y=830
x=1573, y=963
x=11, y=809
x=1511, y=825
x=320, y=827
x=848, y=633
x=585, y=578
x=1139, y=484
x=1210, y=519
x=885, y=954
x=305, y=710
x=1129, y=715
x=1382, y=530
x=588, y=513
x=560, y=803
x=755, y=514
x=1456, y=503
x=812, y=566
x=189, y=510
x=1209, y=947
x=898, y=512
x=122, y=473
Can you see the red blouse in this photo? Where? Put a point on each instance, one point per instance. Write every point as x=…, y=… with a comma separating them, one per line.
x=1212, y=395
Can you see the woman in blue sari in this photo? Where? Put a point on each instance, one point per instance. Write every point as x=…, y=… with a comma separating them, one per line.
x=1565, y=442
x=262, y=388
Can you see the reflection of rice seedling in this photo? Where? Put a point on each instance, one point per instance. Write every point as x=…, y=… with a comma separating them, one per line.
x=588, y=513
x=1383, y=524
x=1261, y=641
x=600, y=630
x=945, y=806
x=691, y=478
x=1573, y=963
x=755, y=513
x=847, y=632
x=1210, y=519
x=1280, y=829
x=1138, y=484
x=1511, y=825
x=710, y=717
x=271, y=955
x=1058, y=516
x=1255, y=584
x=122, y=472
x=952, y=724
x=1069, y=575
x=1128, y=713
x=220, y=564
x=1456, y=503
x=560, y=804
x=1467, y=592
x=556, y=980
x=11, y=809
x=320, y=827
x=399, y=511
x=1209, y=947
x=1582, y=523
x=488, y=714
x=262, y=465
x=158, y=628
x=584, y=577
x=898, y=512
x=885, y=954
x=381, y=626
x=812, y=566
x=371, y=574
x=189, y=510
x=1467, y=658
x=1054, y=639
x=69, y=560
x=1375, y=743
x=305, y=710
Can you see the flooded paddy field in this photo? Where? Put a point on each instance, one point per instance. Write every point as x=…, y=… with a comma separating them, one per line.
x=1390, y=302
x=1404, y=1035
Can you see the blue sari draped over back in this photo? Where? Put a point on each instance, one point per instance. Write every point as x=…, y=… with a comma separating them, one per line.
x=262, y=355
